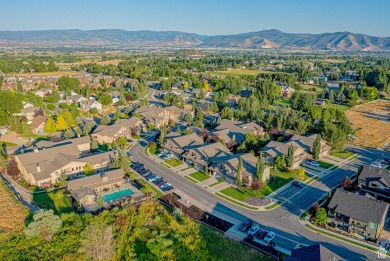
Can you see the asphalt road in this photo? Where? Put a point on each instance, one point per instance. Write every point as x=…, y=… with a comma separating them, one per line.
x=283, y=220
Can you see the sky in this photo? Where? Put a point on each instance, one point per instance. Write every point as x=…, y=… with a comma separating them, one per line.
x=212, y=17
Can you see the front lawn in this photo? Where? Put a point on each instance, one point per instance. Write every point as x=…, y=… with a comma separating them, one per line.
x=325, y=165
x=7, y=143
x=174, y=162
x=55, y=200
x=282, y=179
x=200, y=176
x=341, y=154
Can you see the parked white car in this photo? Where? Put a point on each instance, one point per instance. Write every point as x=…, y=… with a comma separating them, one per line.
x=313, y=163
x=162, y=154
x=169, y=156
x=253, y=230
x=268, y=238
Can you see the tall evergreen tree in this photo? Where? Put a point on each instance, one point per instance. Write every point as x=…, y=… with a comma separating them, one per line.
x=290, y=156
x=260, y=168
x=317, y=147
x=239, y=174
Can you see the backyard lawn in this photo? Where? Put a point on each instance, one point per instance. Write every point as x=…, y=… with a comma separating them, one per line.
x=174, y=162
x=325, y=165
x=55, y=200
x=200, y=176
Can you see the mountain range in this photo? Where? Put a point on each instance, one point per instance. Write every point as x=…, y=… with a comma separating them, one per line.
x=266, y=39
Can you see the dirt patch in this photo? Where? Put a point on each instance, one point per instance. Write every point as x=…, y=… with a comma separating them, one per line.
x=12, y=212
x=372, y=123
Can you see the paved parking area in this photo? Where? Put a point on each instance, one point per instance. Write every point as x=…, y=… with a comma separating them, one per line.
x=287, y=192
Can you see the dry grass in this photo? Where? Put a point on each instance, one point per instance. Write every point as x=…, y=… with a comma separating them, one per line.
x=59, y=73
x=372, y=123
x=12, y=212
x=237, y=72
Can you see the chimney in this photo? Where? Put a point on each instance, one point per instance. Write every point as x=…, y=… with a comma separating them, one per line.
x=35, y=148
x=43, y=148
x=104, y=177
x=38, y=168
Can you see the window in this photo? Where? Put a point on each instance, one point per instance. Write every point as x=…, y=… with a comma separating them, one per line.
x=372, y=225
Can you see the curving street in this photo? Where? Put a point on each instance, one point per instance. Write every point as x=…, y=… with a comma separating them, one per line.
x=283, y=220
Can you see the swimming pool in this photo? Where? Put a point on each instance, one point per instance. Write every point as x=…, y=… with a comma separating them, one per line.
x=117, y=194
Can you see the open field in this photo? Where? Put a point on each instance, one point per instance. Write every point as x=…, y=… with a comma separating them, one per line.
x=12, y=212
x=237, y=72
x=372, y=124
x=59, y=73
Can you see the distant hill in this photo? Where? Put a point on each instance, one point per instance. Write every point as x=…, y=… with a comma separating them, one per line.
x=266, y=39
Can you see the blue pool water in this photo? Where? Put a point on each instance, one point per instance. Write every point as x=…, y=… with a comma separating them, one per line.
x=117, y=194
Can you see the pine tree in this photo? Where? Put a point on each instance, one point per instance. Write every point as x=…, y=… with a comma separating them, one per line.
x=239, y=174
x=317, y=147
x=290, y=156
x=105, y=120
x=260, y=168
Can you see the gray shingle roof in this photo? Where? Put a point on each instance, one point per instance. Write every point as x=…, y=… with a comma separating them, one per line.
x=313, y=253
x=371, y=173
x=368, y=210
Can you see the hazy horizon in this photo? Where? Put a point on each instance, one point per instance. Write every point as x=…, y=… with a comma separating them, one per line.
x=200, y=17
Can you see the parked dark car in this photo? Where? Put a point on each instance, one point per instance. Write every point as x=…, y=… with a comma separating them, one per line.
x=161, y=183
x=245, y=225
x=144, y=171
x=167, y=188
x=260, y=234
x=157, y=180
x=297, y=184
x=151, y=177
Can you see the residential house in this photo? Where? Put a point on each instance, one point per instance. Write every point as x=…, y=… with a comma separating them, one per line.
x=75, y=98
x=86, y=190
x=275, y=148
x=3, y=130
x=187, y=98
x=204, y=105
x=225, y=165
x=115, y=96
x=158, y=116
x=29, y=113
x=202, y=154
x=90, y=104
x=320, y=102
x=307, y=142
x=121, y=128
x=27, y=104
x=175, y=143
x=43, y=166
x=44, y=92
x=357, y=214
x=232, y=100
x=375, y=181
x=286, y=91
x=230, y=130
x=38, y=123
x=312, y=253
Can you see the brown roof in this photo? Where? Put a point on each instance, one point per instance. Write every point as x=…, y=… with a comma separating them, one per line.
x=96, y=181
x=38, y=121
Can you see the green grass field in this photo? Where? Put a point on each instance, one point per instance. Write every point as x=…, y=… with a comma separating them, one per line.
x=55, y=200
x=174, y=162
x=7, y=144
x=216, y=183
x=237, y=72
x=199, y=176
x=165, y=165
x=235, y=202
x=341, y=154
x=325, y=165
x=191, y=179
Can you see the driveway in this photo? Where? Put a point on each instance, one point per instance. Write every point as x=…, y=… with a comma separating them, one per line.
x=283, y=220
